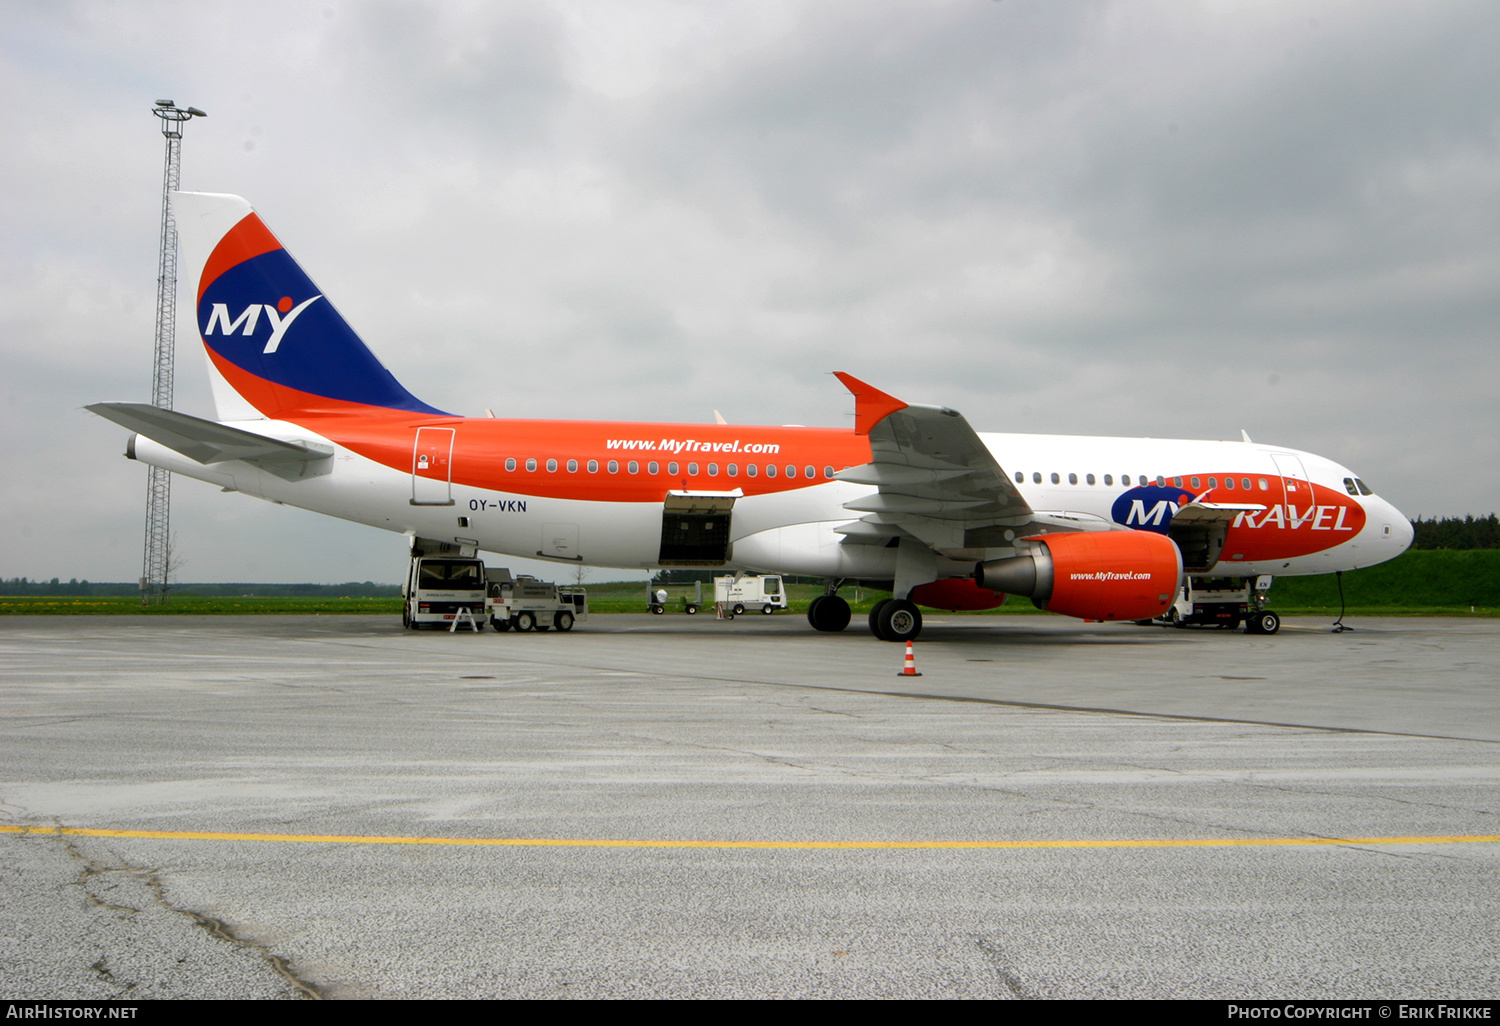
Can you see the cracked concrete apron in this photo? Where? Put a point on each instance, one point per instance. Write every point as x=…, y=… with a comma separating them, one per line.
x=648, y=728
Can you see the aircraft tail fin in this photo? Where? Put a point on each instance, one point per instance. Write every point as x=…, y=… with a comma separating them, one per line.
x=276, y=347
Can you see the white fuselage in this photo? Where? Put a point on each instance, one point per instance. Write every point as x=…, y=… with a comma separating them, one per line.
x=793, y=532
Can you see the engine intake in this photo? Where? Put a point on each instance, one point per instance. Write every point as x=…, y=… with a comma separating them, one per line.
x=1094, y=575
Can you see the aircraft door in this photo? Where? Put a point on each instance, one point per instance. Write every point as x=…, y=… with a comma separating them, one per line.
x=1295, y=486
x=432, y=467
x=695, y=528
x=560, y=541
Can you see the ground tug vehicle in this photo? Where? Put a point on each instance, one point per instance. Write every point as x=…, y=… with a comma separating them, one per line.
x=525, y=603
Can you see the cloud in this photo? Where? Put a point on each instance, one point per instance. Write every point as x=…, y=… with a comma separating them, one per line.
x=1113, y=218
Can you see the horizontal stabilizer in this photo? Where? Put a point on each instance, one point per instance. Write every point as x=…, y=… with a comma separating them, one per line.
x=209, y=442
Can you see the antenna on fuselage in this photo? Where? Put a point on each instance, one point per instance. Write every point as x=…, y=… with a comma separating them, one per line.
x=1246, y=436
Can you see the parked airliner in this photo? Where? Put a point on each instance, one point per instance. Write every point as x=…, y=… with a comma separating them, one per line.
x=911, y=498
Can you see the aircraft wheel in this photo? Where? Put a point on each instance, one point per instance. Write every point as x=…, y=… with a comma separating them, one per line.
x=900, y=621
x=875, y=612
x=562, y=620
x=525, y=622
x=812, y=611
x=500, y=625
x=828, y=613
x=738, y=608
x=768, y=609
x=692, y=610
x=1266, y=622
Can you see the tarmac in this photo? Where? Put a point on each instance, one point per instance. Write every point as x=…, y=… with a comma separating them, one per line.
x=673, y=806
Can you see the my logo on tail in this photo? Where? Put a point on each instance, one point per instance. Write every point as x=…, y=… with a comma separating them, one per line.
x=219, y=316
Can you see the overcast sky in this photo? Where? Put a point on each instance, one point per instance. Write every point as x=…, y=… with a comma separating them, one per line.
x=1167, y=219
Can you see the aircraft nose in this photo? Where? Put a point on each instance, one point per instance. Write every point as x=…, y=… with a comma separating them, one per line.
x=1402, y=532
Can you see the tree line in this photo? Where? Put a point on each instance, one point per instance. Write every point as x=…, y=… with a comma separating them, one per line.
x=1471, y=532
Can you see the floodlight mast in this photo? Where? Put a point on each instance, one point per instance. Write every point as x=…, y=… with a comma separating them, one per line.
x=156, y=566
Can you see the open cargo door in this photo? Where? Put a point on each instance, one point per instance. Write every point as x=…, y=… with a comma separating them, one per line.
x=695, y=528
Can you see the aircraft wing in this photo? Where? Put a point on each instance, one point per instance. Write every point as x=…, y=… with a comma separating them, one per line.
x=937, y=480
x=210, y=442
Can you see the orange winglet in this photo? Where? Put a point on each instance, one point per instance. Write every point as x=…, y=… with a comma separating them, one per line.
x=871, y=405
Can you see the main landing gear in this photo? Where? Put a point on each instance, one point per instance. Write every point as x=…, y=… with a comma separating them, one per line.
x=895, y=620
x=828, y=613
x=891, y=619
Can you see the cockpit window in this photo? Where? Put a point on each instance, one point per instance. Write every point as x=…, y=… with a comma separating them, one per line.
x=1349, y=486
x=1364, y=489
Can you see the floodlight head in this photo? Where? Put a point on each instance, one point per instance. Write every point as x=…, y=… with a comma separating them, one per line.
x=198, y=113
x=165, y=103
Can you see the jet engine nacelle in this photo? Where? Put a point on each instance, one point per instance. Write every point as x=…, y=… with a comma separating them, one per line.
x=1093, y=575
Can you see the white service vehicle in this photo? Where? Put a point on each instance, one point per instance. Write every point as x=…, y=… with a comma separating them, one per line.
x=737, y=594
x=1223, y=602
x=440, y=588
x=525, y=603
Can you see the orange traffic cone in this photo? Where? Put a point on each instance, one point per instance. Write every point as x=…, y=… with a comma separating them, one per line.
x=910, y=670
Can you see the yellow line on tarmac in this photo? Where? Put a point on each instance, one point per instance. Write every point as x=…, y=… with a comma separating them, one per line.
x=584, y=842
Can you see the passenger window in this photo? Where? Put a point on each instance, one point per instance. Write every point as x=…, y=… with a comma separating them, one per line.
x=827, y=472
x=572, y=466
x=633, y=466
x=1176, y=482
x=1109, y=479
x=1213, y=482
x=751, y=470
x=1245, y=483
x=593, y=466
x=732, y=470
x=1072, y=479
x=809, y=472
x=551, y=466
x=692, y=470
x=1036, y=477
x=1265, y=485
x=713, y=470
x=770, y=470
x=1196, y=484
x=510, y=464
x=531, y=464
x=1020, y=477
x=1055, y=478
x=1161, y=482
x=1090, y=479
x=653, y=467
x=791, y=471
x=1229, y=483
x=614, y=466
